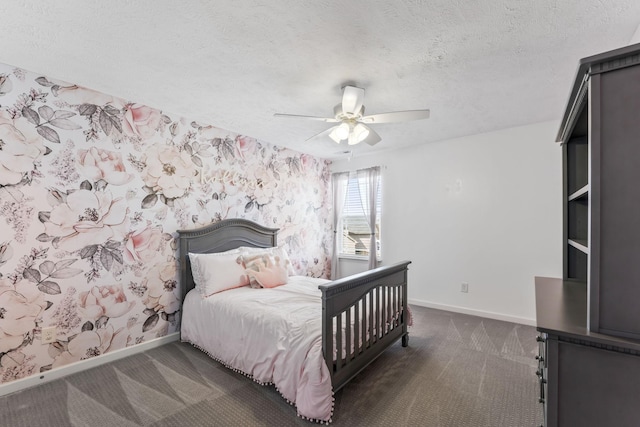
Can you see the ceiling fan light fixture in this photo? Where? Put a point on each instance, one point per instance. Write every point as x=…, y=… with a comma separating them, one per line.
x=334, y=135
x=360, y=133
x=343, y=131
x=351, y=123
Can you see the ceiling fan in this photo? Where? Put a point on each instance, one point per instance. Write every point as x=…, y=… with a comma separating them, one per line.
x=353, y=123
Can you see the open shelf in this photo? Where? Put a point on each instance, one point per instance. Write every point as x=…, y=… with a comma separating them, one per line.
x=578, y=219
x=580, y=193
x=577, y=167
x=581, y=245
x=578, y=261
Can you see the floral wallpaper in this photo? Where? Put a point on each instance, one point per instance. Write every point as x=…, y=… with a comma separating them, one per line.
x=92, y=191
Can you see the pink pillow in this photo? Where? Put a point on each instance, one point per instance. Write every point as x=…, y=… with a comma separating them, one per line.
x=253, y=263
x=218, y=272
x=279, y=251
x=266, y=271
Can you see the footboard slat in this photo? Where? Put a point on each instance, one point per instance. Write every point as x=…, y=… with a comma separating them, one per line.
x=380, y=314
x=339, y=341
x=371, y=335
x=369, y=311
x=404, y=297
x=363, y=321
x=356, y=330
x=347, y=334
x=395, y=308
x=392, y=308
x=385, y=313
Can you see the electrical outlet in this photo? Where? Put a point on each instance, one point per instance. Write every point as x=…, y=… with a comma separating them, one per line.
x=464, y=287
x=49, y=335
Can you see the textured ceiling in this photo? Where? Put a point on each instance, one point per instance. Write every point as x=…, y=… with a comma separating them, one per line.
x=478, y=65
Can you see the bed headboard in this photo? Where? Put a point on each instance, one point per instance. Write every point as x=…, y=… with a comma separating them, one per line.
x=219, y=237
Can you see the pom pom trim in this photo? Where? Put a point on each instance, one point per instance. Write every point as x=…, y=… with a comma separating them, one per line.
x=268, y=383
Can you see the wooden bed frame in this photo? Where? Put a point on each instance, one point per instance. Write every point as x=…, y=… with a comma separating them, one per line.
x=346, y=303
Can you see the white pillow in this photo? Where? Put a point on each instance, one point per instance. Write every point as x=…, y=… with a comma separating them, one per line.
x=278, y=251
x=218, y=272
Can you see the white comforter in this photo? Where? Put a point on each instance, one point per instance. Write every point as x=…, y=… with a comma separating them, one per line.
x=273, y=335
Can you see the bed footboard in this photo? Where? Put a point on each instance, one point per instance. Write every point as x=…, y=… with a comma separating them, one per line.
x=362, y=315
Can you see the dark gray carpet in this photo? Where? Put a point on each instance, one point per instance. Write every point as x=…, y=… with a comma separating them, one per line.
x=458, y=371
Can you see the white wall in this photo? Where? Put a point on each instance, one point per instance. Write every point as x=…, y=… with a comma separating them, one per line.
x=484, y=209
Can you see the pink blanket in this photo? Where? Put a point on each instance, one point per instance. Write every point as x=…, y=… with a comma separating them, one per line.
x=271, y=335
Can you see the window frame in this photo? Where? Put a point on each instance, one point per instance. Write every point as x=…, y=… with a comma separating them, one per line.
x=353, y=176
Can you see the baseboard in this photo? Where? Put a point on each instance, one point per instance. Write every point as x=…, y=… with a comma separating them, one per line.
x=82, y=365
x=472, y=312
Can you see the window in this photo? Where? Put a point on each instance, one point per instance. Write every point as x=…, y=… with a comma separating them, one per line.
x=355, y=238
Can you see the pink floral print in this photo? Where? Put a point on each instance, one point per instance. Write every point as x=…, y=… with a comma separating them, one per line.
x=20, y=148
x=108, y=301
x=143, y=245
x=140, y=120
x=20, y=305
x=97, y=164
x=168, y=171
x=92, y=191
x=87, y=217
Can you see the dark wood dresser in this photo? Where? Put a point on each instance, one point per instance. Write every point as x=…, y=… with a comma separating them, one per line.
x=589, y=320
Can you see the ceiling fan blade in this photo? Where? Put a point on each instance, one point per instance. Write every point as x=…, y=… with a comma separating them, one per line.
x=321, y=134
x=352, y=99
x=295, y=116
x=373, y=138
x=396, y=116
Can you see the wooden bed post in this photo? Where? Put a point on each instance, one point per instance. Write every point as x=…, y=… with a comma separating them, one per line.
x=327, y=331
x=405, y=311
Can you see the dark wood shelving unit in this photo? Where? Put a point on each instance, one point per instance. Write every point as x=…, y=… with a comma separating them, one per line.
x=589, y=320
